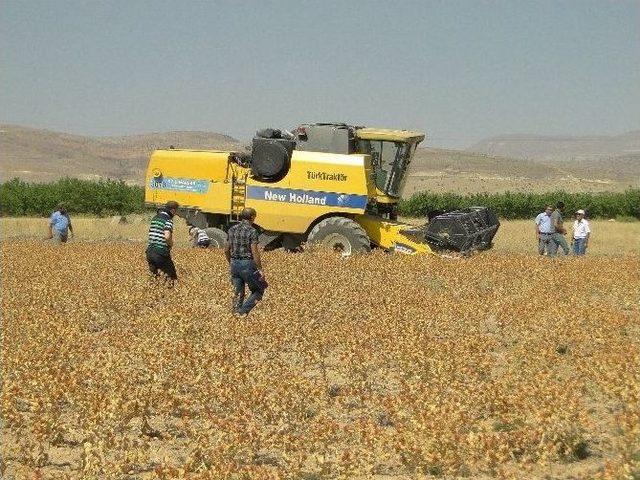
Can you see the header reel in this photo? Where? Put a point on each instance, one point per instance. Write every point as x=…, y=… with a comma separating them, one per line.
x=463, y=230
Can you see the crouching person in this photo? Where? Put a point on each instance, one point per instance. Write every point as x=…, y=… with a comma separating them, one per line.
x=160, y=242
x=199, y=237
x=243, y=255
x=60, y=225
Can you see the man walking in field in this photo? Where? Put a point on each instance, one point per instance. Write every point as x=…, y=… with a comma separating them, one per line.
x=160, y=241
x=558, y=226
x=581, y=234
x=60, y=225
x=545, y=232
x=243, y=255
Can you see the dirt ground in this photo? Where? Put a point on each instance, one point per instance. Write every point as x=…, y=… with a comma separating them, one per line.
x=500, y=365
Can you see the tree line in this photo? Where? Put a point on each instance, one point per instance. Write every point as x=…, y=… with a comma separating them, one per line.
x=102, y=198
x=113, y=197
x=522, y=205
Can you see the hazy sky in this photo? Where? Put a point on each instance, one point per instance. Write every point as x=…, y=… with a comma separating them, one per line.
x=459, y=70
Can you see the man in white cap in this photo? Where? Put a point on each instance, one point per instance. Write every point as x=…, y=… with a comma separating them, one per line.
x=581, y=233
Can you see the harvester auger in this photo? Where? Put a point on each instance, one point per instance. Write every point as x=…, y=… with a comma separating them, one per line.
x=463, y=230
x=331, y=184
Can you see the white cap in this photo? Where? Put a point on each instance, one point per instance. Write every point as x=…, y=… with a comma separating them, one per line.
x=581, y=212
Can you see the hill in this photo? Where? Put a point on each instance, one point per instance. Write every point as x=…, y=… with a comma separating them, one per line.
x=441, y=170
x=43, y=155
x=560, y=148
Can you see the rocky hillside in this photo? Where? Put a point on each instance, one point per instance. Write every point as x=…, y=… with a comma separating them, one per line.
x=42, y=155
x=560, y=148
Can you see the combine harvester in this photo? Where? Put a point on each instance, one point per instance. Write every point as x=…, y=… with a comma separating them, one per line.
x=330, y=184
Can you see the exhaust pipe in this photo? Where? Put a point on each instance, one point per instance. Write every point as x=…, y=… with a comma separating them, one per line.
x=463, y=230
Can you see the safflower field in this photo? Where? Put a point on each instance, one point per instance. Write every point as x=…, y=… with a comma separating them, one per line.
x=500, y=365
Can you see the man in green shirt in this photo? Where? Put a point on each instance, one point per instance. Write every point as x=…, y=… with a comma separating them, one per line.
x=560, y=231
x=160, y=241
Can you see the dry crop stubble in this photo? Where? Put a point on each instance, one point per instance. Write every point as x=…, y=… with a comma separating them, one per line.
x=490, y=366
x=514, y=236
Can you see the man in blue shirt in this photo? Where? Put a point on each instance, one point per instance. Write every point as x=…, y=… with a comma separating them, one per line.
x=545, y=232
x=60, y=225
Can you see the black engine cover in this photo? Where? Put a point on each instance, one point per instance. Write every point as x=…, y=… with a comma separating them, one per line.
x=271, y=158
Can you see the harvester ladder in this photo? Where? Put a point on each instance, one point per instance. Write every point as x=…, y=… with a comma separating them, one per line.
x=238, y=195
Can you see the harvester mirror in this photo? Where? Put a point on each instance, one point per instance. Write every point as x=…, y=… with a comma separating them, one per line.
x=271, y=158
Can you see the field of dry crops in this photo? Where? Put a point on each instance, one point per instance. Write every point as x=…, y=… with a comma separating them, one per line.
x=492, y=366
x=514, y=236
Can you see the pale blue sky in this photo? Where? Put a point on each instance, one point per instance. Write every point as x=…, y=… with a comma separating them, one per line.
x=459, y=70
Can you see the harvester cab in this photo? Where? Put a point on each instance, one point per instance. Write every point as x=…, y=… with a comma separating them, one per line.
x=391, y=152
x=325, y=183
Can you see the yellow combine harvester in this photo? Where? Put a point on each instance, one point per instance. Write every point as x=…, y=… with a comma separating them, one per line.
x=331, y=184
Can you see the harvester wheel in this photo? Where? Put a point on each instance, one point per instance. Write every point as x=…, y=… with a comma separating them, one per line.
x=218, y=237
x=340, y=234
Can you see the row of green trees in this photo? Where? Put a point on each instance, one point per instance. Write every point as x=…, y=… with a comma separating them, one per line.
x=522, y=205
x=109, y=197
x=102, y=198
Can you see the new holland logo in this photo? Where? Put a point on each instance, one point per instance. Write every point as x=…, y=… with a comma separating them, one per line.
x=293, y=197
x=307, y=197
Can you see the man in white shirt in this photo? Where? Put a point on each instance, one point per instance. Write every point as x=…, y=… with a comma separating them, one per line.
x=581, y=234
x=199, y=237
x=545, y=231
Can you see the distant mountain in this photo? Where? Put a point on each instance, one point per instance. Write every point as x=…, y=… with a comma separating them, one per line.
x=43, y=155
x=555, y=148
x=440, y=170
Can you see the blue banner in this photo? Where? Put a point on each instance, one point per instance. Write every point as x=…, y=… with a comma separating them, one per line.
x=179, y=184
x=306, y=197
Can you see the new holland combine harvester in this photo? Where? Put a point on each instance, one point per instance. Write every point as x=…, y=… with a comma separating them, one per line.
x=330, y=184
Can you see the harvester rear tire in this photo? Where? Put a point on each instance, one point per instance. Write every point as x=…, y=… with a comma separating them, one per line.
x=340, y=234
x=218, y=237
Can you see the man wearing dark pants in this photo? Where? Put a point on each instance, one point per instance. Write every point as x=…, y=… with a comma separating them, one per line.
x=243, y=255
x=545, y=232
x=558, y=225
x=160, y=242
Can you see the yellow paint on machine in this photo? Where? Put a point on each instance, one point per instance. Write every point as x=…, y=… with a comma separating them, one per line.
x=204, y=180
x=208, y=167
x=392, y=235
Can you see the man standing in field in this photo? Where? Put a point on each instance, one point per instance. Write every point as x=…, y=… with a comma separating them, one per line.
x=557, y=222
x=160, y=241
x=545, y=232
x=243, y=255
x=60, y=225
x=581, y=234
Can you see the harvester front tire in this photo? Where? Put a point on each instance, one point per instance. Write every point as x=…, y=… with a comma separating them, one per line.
x=218, y=237
x=340, y=234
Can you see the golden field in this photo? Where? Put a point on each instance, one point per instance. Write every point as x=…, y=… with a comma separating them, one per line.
x=500, y=365
x=514, y=236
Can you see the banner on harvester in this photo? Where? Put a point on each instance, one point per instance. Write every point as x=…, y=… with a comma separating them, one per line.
x=179, y=184
x=306, y=197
